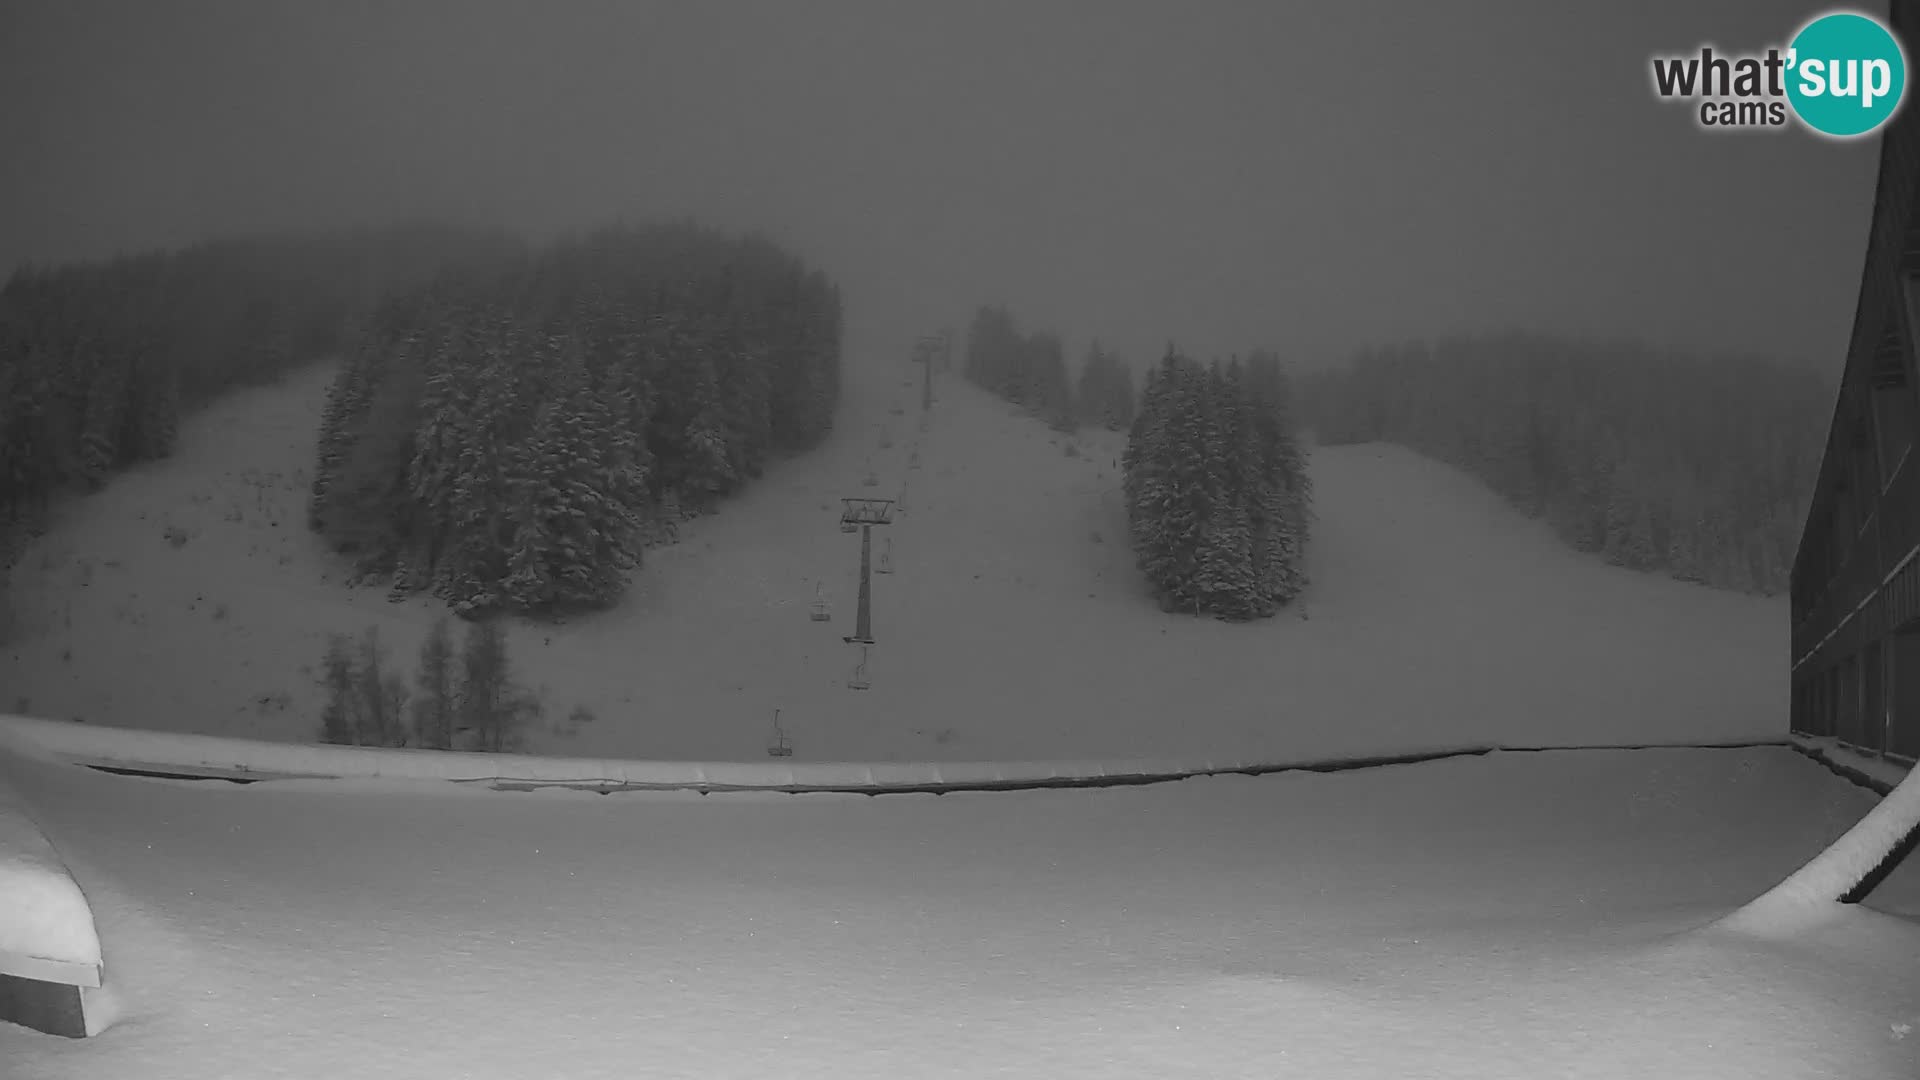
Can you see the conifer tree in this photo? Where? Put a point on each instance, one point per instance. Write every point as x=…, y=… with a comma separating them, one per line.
x=1104, y=393
x=107, y=404
x=701, y=354
x=1025, y=369
x=1049, y=389
x=1216, y=491
x=152, y=419
x=1148, y=483
x=579, y=496
x=349, y=396
x=1174, y=494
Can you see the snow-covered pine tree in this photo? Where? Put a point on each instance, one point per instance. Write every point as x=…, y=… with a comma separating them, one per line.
x=578, y=499
x=11, y=402
x=1197, y=468
x=347, y=399
x=1050, y=389
x=445, y=416
x=107, y=403
x=1217, y=549
x=1119, y=393
x=1683, y=551
x=1240, y=552
x=153, y=416
x=745, y=405
x=705, y=471
x=30, y=464
x=1190, y=477
x=537, y=555
x=617, y=466
x=1147, y=481
x=474, y=557
x=1281, y=503
x=1629, y=531
x=1259, y=494
x=367, y=503
x=1224, y=581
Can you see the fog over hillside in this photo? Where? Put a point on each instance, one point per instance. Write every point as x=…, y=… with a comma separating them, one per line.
x=1307, y=177
x=626, y=517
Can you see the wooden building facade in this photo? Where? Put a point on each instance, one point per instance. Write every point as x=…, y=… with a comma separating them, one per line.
x=1856, y=576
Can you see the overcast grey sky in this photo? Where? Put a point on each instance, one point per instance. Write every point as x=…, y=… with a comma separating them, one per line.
x=1308, y=176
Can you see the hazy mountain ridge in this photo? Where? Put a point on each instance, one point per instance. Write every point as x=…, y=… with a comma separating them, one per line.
x=1695, y=466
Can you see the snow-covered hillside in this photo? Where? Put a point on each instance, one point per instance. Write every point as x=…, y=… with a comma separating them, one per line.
x=190, y=597
x=1509, y=915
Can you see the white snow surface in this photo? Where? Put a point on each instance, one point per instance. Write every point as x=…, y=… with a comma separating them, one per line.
x=1516, y=915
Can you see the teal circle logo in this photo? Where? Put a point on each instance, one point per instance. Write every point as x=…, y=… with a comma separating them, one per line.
x=1846, y=75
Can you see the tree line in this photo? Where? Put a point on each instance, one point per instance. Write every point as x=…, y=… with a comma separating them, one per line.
x=508, y=440
x=1697, y=467
x=1218, y=498
x=1103, y=396
x=1030, y=369
x=100, y=361
x=465, y=700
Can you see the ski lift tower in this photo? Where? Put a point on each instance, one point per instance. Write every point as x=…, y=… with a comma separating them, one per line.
x=926, y=352
x=864, y=514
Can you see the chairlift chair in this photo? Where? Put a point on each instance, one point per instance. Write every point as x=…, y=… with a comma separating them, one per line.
x=865, y=511
x=781, y=746
x=819, y=610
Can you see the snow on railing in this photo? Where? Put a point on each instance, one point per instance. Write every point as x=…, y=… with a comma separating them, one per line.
x=214, y=757
x=1844, y=872
x=207, y=756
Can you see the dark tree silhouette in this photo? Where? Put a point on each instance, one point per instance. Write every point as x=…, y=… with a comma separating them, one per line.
x=1218, y=501
x=508, y=440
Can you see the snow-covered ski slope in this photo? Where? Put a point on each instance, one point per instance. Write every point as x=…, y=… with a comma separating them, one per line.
x=1512, y=915
x=1517, y=915
x=189, y=597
